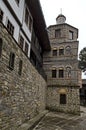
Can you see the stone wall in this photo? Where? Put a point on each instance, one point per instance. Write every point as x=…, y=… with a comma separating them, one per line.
x=21, y=96
x=72, y=99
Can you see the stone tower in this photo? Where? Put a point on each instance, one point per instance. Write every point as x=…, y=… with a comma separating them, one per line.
x=61, y=67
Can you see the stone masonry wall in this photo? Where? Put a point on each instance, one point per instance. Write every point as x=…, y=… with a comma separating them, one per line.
x=21, y=97
x=72, y=99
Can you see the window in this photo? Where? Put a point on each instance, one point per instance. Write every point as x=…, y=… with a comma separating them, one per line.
x=58, y=33
x=17, y=1
x=11, y=61
x=68, y=69
x=54, y=52
x=28, y=19
x=30, y=23
x=61, y=73
x=1, y=15
x=70, y=35
x=61, y=51
x=62, y=98
x=26, y=48
x=20, y=67
x=0, y=47
x=21, y=42
x=68, y=50
x=10, y=27
x=26, y=16
x=54, y=73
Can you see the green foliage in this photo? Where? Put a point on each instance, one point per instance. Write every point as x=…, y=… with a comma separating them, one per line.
x=82, y=61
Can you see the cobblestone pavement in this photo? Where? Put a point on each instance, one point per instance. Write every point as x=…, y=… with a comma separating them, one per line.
x=61, y=121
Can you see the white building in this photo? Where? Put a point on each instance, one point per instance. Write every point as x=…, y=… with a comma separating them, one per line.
x=16, y=17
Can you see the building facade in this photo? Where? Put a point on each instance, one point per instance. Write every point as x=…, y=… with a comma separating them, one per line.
x=61, y=67
x=22, y=87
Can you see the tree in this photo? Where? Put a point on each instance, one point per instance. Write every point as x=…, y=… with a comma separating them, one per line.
x=82, y=60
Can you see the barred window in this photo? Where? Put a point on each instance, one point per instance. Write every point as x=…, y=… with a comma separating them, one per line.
x=1, y=15
x=11, y=60
x=10, y=27
x=62, y=98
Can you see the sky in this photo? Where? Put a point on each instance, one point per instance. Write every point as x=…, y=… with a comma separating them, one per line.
x=75, y=12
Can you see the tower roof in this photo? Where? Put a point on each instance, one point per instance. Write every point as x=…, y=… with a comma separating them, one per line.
x=60, y=19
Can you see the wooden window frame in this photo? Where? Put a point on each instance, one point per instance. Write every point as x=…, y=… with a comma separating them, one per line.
x=10, y=27
x=28, y=18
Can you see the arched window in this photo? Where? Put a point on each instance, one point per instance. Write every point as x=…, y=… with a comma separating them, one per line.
x=54, y=71
x=68, y=69
x=61, y=72
x=68, y=50
x=0, y=47
x=54, y=52
x=61, y=51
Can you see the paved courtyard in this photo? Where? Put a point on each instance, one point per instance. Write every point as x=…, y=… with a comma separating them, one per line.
x=61, y=121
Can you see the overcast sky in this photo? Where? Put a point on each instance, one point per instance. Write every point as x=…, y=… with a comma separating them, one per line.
x=75, y=12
